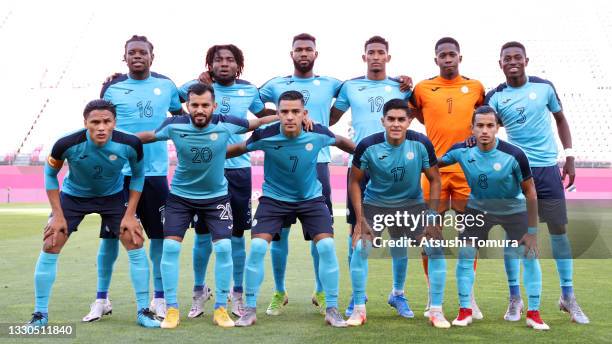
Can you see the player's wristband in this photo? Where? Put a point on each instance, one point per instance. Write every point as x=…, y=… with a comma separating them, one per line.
x=532, y=230
x=569, y=152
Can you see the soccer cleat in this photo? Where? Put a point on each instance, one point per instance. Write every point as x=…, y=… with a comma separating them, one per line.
x=515, y=309
x=248, y=318
x=98, y=309
x=279, y=300
x=172, y=319
x=146, y=318
x=464, y=317
x=400, y=303
x=349, y=309
x=221, y=318
x=333, y=318
x=237, y=303
x=357, y=318
x=437, y=319
x=570, y=306
x=476, y=313
x=534, y=321
x=158, y=306
x=197, y=303
x=38, y=320
x=318, y=300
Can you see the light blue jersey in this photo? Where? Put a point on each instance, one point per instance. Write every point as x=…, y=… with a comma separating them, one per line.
x=143, y=105
x=290, y=164
x=525, y=112
x=95, y=171
x=494, y=177
x=201, y=154
x=318, y=92
x=235, y=100
x=366, y=99
x=395, y=171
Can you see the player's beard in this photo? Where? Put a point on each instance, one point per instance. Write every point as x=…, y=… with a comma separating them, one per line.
x=303, y=69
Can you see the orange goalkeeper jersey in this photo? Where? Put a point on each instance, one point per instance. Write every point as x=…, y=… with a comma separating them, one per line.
x=447, y=107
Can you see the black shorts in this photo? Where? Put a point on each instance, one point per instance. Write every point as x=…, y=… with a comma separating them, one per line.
x=551, y=195
x=214, y=213
x=478, y=224
x=375, y=215
x=323, y=177
x=271, y=214
x=350, y=211
x=111, y=208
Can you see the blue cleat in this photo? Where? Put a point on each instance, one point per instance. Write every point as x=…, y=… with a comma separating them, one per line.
x=349, y=310
x=38, y=320
x=146, y=318
x=400, y=303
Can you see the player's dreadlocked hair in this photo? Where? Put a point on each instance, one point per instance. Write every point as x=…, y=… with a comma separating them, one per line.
x=376, y=39
x=444, y=40
x=238, y=56
x=513, y=44
x=136, y=38
x=304, y=37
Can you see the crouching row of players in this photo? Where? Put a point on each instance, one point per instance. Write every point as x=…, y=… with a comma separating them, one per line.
x=385, y=176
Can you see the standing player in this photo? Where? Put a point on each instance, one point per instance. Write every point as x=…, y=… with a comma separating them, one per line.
x=291, y=154
x=524, y=105
x=445, y=104
x=94, y=184
x=501, y=183
x=143, y=99
x=199, y=188
x=394, y=160
x=236, y=97
x=366, y=96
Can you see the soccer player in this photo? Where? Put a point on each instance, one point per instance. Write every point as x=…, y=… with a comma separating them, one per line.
x=502, y=193
x=445, y=104
x=142, y=99
x=394, y=160
x=366, y=96
x=94, y=184
x=199, y=188
x=225, y=64
x=524, y=104
x=291, y=155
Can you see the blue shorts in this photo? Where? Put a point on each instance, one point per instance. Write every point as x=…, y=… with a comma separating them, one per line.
x=350, y=211
x=551, y=195
x=271, y=214
x=323, y=177
x=214, y=213
x=239, y=188
x=370, y=212
x=515, y=225
x=111, y=208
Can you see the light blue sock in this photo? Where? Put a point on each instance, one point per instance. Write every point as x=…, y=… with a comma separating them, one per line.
x=156, y=248
x=350, y=249
x=44, y=276
x=436, y=266
x=139, y=274
x=328, y=270
x=315, y=262
x=399, y=263
x=562, y=252
x=170, y=270
x=107, y=255
x=254, y=272
x=223, y=270
x=465, y=275
x=279, y=251
x=512, y=263
x=202, y=248
x=359, y=273
x=532, y=277
x=238, y=259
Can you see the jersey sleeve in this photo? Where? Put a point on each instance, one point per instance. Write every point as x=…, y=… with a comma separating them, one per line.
x=255, y=142
x=136, y=162
x=429, y=158
x=266, y=92
x=336, y=85
x=235, y=125
x=521, y=169
x=451, y=156
x=175, y=100
x=257, y=104
x=163, y=132
x=342, y=102
x=325, y=135
x=360, y=159
x=184, y=90
x=54, y=163
x=554, y=103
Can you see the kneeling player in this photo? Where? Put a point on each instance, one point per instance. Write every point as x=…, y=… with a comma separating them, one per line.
x=94, y=184
x=199, y=188
x=291, y=190
x=394, y=160
x=500, y=180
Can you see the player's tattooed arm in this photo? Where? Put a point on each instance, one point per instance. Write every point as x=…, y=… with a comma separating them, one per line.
x=530, y=238
x=236, y=150
x=334, y=115
x=345, y=144
x=146, y=136
x=361, y=231
x=130, y=226
x=565, y=136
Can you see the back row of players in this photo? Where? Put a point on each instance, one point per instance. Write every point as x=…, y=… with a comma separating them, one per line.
x=110, y=168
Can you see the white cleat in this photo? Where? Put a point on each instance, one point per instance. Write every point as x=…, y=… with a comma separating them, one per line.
x=515, y=309
x=358, y=317
x=198, y=300
x=570, y=306
x=237, y=303
x=437, y=319
x=158, y=307
x=476, y=313
x=98, y=309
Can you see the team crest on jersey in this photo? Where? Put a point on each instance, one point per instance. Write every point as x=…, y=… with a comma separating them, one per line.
x=214, y=136
x=497, y=166
x=157, y=91
x=533, y=95
x=410, y=155
x=309, y=146
x=465, y=89
x=316, y=82
x=241, y=93
x=254, y=222
x=112, y=157
x=388, y=89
